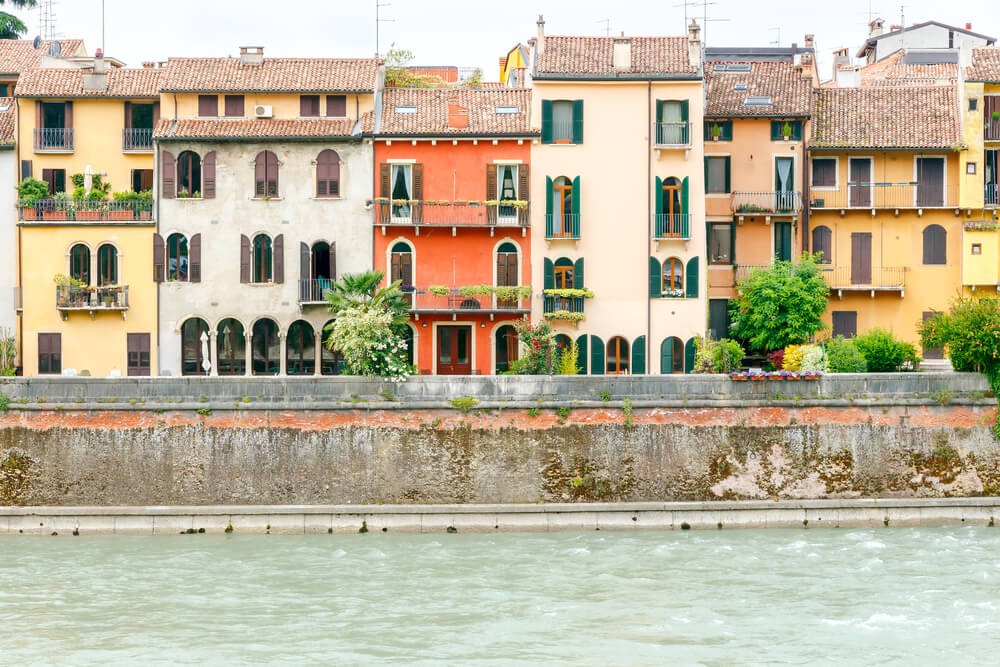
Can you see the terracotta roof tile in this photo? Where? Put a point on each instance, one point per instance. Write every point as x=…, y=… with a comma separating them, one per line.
x=985, y=65
x=789, y=91
x=68, y=82
x=18, y=55
x=7, y=112
x=893, y=117
x=594, y=56
x=892, y=71
x=275, y=75
x=431, y=115
x=265, y=129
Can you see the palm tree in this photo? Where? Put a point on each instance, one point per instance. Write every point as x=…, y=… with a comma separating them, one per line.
x=362, y=290
x=11, y=27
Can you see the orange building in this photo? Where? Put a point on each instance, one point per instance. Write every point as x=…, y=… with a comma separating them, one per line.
x=451, y=221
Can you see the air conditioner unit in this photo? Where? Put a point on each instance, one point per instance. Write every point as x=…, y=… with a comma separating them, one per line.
x=263, y=111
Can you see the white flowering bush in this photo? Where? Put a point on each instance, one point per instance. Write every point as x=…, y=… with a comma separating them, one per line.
x=370, y=343
x=814, y=359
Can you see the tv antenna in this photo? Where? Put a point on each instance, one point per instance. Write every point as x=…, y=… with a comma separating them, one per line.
x=685, y=5
x=47, y=19
x=378, y=20
x=607, y=26
x=871, y=12
x=705, y=18
x=777, y=40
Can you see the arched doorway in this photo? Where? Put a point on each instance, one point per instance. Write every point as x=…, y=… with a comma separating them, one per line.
x=300, y=349
x=191, y=352
x=331, y=361
x=617, y=356
x=266, y=347
x=231, y=348
x=505, y=347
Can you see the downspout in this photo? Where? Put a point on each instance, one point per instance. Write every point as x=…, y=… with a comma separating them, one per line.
x=805, y=194
x=156, y=230
x=20, y=286
x=649, y=221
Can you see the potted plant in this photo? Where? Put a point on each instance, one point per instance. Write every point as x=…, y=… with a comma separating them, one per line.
x=122, y=206
x=145, y=204
x=738, y=377
x=716, y=131
x=91, y=205
x=59, y=209
x=29, y=192
x=786, y=130
x=995, y=115
x=183, y=194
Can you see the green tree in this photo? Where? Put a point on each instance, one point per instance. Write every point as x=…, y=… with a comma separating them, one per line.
x=11, y=27
x=780, y=305
x=364, y=291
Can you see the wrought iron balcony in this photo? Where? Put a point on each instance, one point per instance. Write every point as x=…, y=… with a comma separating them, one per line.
x=84, y=210
x=451, y=214
x=56, y=139
x=673, y=134
x=137, y=139
x=108, y=298
x=312, y=291
x=555, y=304
x=671, y=226
x=455, y=299
x=782, y=202
x=887, y=195
x=844, y=278
x=562, y=226
x=991, y=195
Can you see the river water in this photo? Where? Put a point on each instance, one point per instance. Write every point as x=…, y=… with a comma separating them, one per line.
x=888, y=596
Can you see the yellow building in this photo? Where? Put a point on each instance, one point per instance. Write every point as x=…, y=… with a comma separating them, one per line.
x=86, y=273
x=514, y=67
x=884, y=204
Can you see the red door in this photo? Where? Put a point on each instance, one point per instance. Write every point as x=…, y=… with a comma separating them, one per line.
x=454, y=350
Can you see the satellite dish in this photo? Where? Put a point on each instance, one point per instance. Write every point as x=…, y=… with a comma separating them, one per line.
x=38, y=41
x=55, y=49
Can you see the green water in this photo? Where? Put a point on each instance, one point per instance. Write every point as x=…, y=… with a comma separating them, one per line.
x=889, y=596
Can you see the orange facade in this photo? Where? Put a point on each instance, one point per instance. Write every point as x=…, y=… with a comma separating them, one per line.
x=451, y=247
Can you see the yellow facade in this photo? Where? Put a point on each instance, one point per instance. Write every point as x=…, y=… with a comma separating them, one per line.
x=981, y=234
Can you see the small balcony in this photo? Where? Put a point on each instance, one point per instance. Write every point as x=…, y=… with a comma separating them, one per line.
x=53, y=140
x=559, y=308
x=913, y=195
x=86, y=210
x=672, y=135
x=671, y=227
x=430, y=213
x=454, y=300
x=562, y=226
x=991, y=195
x=312, y=291
x=137, y=140
x=846, y=278
x=94, y=300
x=784, y=202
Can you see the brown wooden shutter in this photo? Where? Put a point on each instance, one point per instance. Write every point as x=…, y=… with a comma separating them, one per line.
x=39, y=116
x=491, y=193
x=234, y=106
x=522, y=193
x=336, y=106
x=69, y=115
x=49, y=177
x=208, y=106
x=168, y=175
x=278, y=248
x=394, y=270
x=128, y=115
x=501, y=269
x=512, y=278
x=308, y=105
x=194, y=259
x=156, y=114
x=158, y=258
x=208, y=176
x=418, y=192
x=384, y=171
x=406, y=268
x=271, y=162
x=244, y=259
x=259, y=176
x=333, y=261
x=305, y=262
x=146, y=179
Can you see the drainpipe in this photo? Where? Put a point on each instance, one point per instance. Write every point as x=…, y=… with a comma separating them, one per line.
x=805, y=193
x=20, y=284
x=649, y=220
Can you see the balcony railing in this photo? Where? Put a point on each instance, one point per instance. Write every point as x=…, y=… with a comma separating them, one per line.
x=137, y=139
x=844, y=277
x=562, y=226
x=555, y=304
x=672, y=226
x=453, y=301
x=53, y=139
x=93, y=299
x=991, y=195
x=562, y=131
x=888, y=195
x=782, y=202
x=673, y=134
x=313, y=291
x=81, y=210
x=462, y=214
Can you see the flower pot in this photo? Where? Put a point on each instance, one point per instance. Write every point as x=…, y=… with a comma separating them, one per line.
x=145, y=215
x=88, y=215
x=793, y=377
x=28, y=213
x=738, y=378
x=121, y=215
x=54, y=215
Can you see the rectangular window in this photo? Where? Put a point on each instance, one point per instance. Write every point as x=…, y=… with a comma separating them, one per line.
x=138, y=354
x=336, y=106
x=562, y=122
x=49, y=353
x=5, y=90
x=401, y=185
x=845, y=323
x=142, y=179
x=234, y=106
x=720, y=243
x=506, y=191
x=824, y=172
x=717, y=175
x=56, y=179
x=309, y=106
x=786, y=129
x=208, y=106
x=718, y=130
x=977, y=248
x=54, y=115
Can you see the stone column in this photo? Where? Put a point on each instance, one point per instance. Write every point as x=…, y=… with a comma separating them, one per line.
x=283, y=347
x=318, y=343
x=213, y=353
x=249, y=354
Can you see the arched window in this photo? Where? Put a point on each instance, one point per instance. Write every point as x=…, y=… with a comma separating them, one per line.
x=505, y=348
x=300, y=349
x=321, y=261
x=401, y=268
x=328, y=174
x=617, y=356
x=507, y=272
x=177, y=258
x=671, y=197
x=673, y=277
x=331, y=361
x=823, y=244
x=79, y=263
x=107, y=265
x=188, y=174
x=562, y=207
x=192, y=354
x=266, y=348
x=266, y=175
x=263, y=259
x=231, y=350
x=563, y=278
x=935, y=250
x=672, y=355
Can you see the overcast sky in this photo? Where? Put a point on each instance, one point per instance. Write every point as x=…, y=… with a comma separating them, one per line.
x=451, y=32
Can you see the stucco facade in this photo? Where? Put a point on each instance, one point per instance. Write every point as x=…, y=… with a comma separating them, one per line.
x=8, y=243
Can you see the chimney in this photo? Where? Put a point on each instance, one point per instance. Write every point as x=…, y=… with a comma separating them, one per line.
x=694, y=44
x=968, y=26
x=97, y=79
x=251, y=55
x=540, y=39
x=458, y=116
x=622, y=54
x=99, y=63
x=807, y=56
x=876, y=27
x=148, y=64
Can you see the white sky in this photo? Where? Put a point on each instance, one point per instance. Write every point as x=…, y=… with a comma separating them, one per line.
x=449, y=32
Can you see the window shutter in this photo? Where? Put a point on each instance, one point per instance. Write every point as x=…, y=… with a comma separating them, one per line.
x=39, y=116
x=168, y=175
x=577, y=121
x=654, y=278
x=581, y=354
x=383, y=186
x=305, y=106
x=50, y=181
x=278, y=249
x=208, y=106
x=685, y=195
x=691, y=278
x=549, y=278
x=659, y=111
x=576, y=205
x=305, y=267
x=546, y=121
x=706, y=174
x=260, y=175
x=336, y=106
x=728, y=162
x=523, y=190
x=491, y=193
x=667, y=356
x=234, y=106
x=271, y=163
x=418, y=192
x=727, y=131
x=596, y=355
x=689, y=356
x=69, y=116
x=244, y=259
x=333, y=260
x=194, y=259
x=208, y=176
x=128, y=115
x=732, y=244
x=501, y=268
x=775, y=130
x=578, y=274
x=684, y=111
x=156, y=114
x=158, y=258
x=658, y=196
x=639, y=356
x=549, y=227
x=406, y=268
x=394, y=268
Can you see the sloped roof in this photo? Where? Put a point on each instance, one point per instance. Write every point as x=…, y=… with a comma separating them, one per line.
x=894, y=70
x=275, y=75
x=789, y=90
x=7, y=112
x=893, y=117
x=18, y=55
x=253, y=129
x=985, y=65
x=593, y=58
x=431, y=115
x=68, y=82
x=870, y=42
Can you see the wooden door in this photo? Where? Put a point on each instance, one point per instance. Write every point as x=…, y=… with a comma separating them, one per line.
x=861, y=258
x=783, y=241
x=138, y=354
x=930, y=181
x=859, y=182
x=454, y=350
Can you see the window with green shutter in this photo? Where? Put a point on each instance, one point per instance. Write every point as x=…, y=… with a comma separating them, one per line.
x=671, y=356
x=546, y=121
x=689, y=354
x=577, y=121
x=718, y=130
x=692, y=278
x=717, y=174
x=780, y=129
x=654, y=278
x=581, y=354
x=639, y=356
x=596, y=355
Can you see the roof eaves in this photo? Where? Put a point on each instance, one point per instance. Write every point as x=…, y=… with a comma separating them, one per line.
x=276, y=91
x=458, y=135
x=261, y=139
x=667, y=76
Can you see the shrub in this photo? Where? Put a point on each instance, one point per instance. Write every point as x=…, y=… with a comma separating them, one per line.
x=792, y=360
x=567, y=364
x=464, y=404
x=717, y=356
x=776, y=359
x=541, y=345
x=30, y=190
x=843, y=356
x=814, y=359
x=883, y=352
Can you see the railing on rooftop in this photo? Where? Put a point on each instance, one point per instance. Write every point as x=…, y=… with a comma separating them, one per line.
x=779, y=202
x=81, y=210
x=887, y=195
x=53, y=139
x=451, y=213
x=137, y=139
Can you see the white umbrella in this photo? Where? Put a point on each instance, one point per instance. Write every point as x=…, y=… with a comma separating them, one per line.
x=206, y=365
